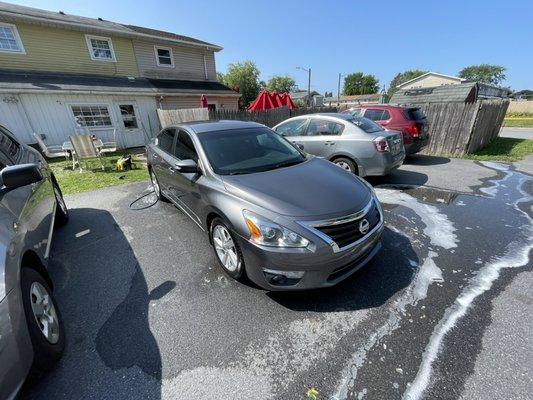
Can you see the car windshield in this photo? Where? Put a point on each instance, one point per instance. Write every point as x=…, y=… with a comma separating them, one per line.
x=244, y=151
x=366, y=124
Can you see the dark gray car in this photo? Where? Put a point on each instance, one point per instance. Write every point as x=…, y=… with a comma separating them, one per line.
x=31, y=204
x=286, y=219
x=353, y=143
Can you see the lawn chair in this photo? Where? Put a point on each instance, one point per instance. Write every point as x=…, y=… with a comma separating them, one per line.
x=84, y=150
x=110, y=147
x=50, y=151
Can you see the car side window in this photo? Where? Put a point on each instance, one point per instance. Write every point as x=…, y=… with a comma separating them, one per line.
x=165, y=140
x=8, y=146
x=323, y=127
x=385, y=116
x=373, y=114
x=185, y=147
x=293, y=128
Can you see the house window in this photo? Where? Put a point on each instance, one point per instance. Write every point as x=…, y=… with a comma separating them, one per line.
x=163, y=56
x=10, y=40
x=127, y=111
x=92, y=115
x=100, y=48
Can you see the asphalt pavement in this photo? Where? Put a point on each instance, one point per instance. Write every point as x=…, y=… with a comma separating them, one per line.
x=443, y=311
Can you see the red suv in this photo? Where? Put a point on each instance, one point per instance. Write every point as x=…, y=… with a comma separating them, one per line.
x=411, y=121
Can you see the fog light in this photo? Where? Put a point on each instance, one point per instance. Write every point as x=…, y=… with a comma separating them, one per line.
x=283, y=278
x=287, y=274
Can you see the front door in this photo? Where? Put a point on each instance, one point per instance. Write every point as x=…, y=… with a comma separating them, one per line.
x=294, y=131
x=130, y=126
x=184, y=186
x=321, y=137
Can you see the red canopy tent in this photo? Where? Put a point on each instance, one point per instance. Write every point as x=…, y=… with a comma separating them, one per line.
x=276, y=99
x=262, y=102
x=286, y=100
x=203, y=102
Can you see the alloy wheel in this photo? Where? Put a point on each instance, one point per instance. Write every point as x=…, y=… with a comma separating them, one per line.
x=225, y=248
x=344, y=165
x=44, y=312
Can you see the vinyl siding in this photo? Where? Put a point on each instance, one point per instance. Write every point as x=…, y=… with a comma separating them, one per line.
x=431, y=81
x=61, y=50
x=50, y=114
x=177, y=102
x=188, y=62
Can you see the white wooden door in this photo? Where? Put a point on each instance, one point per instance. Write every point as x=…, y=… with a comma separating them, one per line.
x=13, y=117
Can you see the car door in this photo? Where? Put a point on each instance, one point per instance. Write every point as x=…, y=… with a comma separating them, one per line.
x=378, y=115
x=321, y=137
x=163, y=159
x=184, y=186
x=33, y=205
x=294, y=131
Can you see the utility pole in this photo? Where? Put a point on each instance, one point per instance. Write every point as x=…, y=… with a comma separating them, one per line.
x=308, y=70
x=339, y=87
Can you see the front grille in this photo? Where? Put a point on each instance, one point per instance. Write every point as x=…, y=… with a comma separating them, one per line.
x=346, y=233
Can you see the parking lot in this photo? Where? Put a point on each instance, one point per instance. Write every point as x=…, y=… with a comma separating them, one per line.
x=149, y=315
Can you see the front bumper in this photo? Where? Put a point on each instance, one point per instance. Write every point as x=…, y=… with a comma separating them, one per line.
x=322, y=268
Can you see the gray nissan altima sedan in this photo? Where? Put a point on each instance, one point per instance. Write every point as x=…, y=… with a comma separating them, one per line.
x=285, y=219
x=31, y=204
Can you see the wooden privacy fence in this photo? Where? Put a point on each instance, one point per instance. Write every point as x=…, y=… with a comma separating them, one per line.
x=269, y=118
x=172, y=117
x=457, y=128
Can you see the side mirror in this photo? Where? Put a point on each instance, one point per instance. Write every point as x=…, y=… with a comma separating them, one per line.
x=187, y=166
x=300, y=146
x=19, y=175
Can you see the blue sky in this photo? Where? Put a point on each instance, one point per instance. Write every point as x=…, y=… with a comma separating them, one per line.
x=382, y=38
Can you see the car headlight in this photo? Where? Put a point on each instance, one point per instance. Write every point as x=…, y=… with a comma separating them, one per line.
x=268, y=233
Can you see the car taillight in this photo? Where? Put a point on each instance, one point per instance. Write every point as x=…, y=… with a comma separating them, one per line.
x=381, y=145
x=413, y=130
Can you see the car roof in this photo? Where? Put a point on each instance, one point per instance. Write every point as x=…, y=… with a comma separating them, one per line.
x=217, y=125
x=342, y=116
x=383, y=106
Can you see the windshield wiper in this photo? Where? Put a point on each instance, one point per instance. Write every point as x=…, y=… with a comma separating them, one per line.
x=285, y=164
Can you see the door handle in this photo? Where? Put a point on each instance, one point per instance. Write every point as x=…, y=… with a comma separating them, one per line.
x=329, y=143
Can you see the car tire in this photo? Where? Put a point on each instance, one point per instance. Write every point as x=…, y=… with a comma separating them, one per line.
x=61, y=217
x=346, y=164
x=224, y=242
x=157, y=188
x=47, y=350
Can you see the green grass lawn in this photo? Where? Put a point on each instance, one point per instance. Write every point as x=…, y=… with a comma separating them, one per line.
x=503, y=149
x=72, y=181
x=517, y=122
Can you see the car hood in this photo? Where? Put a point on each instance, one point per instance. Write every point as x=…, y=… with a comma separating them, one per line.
x=313, y=188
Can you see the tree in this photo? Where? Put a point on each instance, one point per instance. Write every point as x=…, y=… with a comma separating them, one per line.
x=281, y=84
x=244, y=78
x=491, y=74
x=403, y=77
x=359, y=83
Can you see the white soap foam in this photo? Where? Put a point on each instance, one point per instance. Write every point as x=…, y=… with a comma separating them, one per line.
x=440, y=231
x=516, y=257
x=439, y=228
